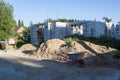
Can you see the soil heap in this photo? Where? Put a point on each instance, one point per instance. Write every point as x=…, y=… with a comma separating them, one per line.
x=96, y=54
x=50, y=49
x=27, y=47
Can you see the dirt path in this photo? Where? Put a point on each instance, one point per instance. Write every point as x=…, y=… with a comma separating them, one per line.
x=14, y=65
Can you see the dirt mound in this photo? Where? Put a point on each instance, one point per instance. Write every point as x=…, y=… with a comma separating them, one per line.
x=27, y=47
x=50, y=49
x=97, y=48
x=92, y=53
x=51, y=46
x=96, y=54
x=77, y=47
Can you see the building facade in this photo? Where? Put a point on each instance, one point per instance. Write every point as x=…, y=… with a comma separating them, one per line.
x=49, y=30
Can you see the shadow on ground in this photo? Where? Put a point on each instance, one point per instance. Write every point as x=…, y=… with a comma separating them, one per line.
x=29, y=69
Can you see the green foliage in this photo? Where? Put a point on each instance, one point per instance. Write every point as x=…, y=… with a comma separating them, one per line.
x=25, y=38
x=22, y=40
x=7, y=22
x=62, y=20
x=111, y=42
x=107, y=19
x=26, y=34
x=20, y=23
x=69, y=39
x=27, y=30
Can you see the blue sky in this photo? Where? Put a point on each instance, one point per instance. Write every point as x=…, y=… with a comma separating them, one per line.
x=39, y=10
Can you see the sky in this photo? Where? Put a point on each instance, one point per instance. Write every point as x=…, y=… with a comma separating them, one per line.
x=40, y=10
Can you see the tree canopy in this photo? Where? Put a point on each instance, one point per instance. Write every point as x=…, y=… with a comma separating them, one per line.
x=62, y=20
x=7, y=21
x=20, y=23
x=107, y=19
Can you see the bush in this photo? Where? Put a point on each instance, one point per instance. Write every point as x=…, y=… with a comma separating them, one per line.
x=21, y=40
x=71, y=38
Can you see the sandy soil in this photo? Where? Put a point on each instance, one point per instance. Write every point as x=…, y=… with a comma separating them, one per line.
x=15, y=65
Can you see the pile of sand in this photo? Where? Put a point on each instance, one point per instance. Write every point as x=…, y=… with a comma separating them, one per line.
x=92, y=53
x=50, y=49
x=51, y=46
x=96, y=54
x=77, y=47
x=27, y=47
x=85, y=46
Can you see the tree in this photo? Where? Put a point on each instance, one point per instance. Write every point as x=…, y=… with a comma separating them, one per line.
x=27, y=30
x=62, y=20
x=7, y=22
x=20, y=23
x=107, y=20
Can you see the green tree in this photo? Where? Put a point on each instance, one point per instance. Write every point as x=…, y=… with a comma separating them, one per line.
x=107, y=19
x=7, y=22
x=20, y=23
x=62, y=20
x=27, y=30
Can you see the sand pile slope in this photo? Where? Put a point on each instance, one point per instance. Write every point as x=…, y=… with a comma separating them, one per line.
x=92, y=53
x=27, y=47
x=97, y=54
x=50, y=49
x=84, y=46
x=51, y=46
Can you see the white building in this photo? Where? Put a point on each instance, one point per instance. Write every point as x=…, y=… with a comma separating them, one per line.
x=50, y=30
